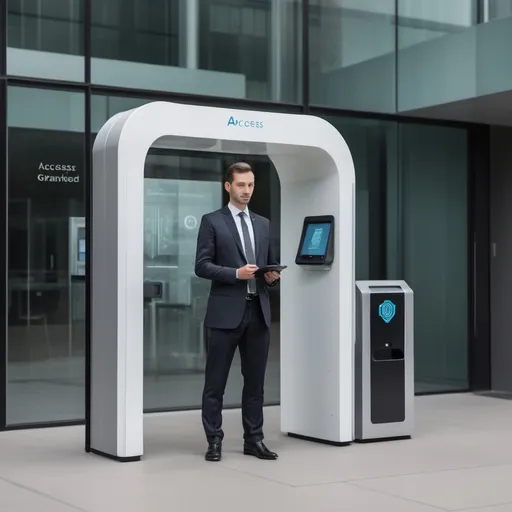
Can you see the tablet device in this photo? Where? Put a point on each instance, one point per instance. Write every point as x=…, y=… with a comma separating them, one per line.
x=270, y=268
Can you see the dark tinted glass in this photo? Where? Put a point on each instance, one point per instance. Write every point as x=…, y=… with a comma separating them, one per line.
x=232, y=48
x=45, y=39
x=411, y=224
x=46, y=285
x=352, y=54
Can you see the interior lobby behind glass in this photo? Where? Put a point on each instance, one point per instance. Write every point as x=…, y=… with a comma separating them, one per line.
x=46, y=379
x=46, y=297
x=179, y=189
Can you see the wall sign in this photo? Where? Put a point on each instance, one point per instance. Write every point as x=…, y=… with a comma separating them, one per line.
x=58, y=173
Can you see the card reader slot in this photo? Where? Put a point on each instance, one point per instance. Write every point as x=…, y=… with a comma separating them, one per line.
x=388, y=354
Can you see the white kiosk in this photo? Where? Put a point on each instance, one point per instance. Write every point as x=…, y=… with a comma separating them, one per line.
x=317, y=307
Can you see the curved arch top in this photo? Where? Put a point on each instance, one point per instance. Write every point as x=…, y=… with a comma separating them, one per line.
x=317, y=308
x=173, y=123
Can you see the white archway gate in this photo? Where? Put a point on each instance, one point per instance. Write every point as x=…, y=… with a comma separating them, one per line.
x=317, y=308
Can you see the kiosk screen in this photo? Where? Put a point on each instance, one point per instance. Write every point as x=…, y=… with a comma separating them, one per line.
x=316, y=239
x=316, y=243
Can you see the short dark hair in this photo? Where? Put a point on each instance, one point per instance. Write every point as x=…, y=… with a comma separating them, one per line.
x=240, y=167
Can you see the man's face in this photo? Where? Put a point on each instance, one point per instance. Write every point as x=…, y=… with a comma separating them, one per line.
x=240, y=191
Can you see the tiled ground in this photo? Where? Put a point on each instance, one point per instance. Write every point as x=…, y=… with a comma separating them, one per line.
x=459, y=459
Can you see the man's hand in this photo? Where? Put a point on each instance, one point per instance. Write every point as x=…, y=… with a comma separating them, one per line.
x=247, y=272
x=270, y=277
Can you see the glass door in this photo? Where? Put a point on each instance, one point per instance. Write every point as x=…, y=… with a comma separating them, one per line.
x=180, y=187
x=178, y=191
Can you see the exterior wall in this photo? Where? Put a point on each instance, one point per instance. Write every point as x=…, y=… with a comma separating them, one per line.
x=64, y=72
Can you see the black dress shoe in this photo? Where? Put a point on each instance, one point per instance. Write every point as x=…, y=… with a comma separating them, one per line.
x=214, y=452
x=258, y=449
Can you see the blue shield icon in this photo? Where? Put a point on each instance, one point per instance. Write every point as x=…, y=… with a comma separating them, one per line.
x=387, y=311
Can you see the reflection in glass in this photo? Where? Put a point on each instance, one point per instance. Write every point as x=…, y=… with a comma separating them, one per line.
x=352, y=54
x=411, y=224
x=434, y=183
x=230, y=48
x=179, y=189
x=46, y=293
x=497, y=9
x=437, y=52
x=373, y=146
x=425, y=20
x=45, y=39
x=174, y=343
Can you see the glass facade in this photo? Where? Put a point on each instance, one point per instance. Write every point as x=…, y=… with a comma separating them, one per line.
x=451, y=51
x=497, y=9
x=45, y=39
x=45, y=297
x=436, y=45
x=235, y=48
x=67, y=67
x=352, y=54
x=411, y=223
x=373, y=145
x=434, y=250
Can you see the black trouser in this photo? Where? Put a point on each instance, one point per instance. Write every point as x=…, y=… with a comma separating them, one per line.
x=252, y=338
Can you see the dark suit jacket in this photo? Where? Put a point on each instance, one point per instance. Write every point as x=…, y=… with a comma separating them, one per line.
x=219, y=255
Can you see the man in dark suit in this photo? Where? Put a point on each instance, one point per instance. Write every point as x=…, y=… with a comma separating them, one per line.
x=232, y=244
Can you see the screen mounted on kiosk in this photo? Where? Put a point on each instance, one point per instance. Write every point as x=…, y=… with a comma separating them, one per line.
x=316, y=243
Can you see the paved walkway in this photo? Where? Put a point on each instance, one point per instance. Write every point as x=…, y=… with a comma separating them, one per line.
x=460, y=459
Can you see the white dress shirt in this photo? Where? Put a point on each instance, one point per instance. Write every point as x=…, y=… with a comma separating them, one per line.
x=238, y=223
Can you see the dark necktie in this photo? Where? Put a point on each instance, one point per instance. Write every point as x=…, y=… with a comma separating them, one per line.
x=249, y=251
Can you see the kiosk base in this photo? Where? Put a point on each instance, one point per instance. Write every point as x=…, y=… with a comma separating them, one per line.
x=115, y=457
x=384, y=361
x=316, y=440
x=381, y=439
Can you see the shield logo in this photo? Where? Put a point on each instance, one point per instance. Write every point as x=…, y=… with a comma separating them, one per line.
x=387, y=311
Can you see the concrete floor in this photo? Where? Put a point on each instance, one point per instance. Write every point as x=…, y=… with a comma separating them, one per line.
x=459, y=459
